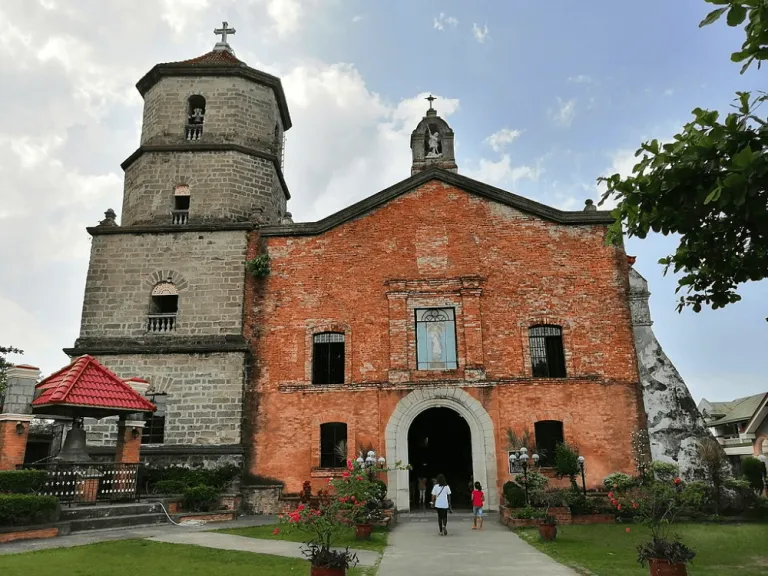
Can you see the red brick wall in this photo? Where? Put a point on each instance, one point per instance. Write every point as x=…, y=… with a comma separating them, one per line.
x=12, y=444
x=29, y=534
x=128, y=448
x=501, y=269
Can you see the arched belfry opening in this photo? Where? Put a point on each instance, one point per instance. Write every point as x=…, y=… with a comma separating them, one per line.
x=432, y=143
x=440, y=442
x=195, y=117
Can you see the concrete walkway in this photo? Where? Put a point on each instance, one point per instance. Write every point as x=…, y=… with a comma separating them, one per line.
x=415, y=547
x=256, y=545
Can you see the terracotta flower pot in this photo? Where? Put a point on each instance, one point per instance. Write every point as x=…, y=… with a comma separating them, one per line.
x=658, y=567
x=363, y=531
x=318, y=571
x=548, y=532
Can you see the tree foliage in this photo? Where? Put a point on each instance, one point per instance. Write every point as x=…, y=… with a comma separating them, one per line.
x=4, y=365
x=709, y=184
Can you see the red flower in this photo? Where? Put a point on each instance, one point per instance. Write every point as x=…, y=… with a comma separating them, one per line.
x=635, y=505
x=359, y=478
x=618, y=507
x=677, y=481
x=628, y=530
x=345, y=475
x=610, y=494
x=276, y=531
x=614, y=501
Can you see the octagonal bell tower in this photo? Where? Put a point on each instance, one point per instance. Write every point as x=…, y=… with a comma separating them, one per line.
x=211, y=144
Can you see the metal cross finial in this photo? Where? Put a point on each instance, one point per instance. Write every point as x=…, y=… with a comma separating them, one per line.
x=224, y=30
x=431, y=99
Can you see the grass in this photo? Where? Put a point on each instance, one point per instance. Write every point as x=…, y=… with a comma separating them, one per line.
x=346, y=536
x=132, y=557
x=608, y=550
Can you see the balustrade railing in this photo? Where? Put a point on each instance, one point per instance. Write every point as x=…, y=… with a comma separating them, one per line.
x=180, y=217
x=161, y=323
x=86, y=482
x=194, y=131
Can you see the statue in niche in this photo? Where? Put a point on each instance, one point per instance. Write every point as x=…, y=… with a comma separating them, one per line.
x=197, y=116
x=434, y=147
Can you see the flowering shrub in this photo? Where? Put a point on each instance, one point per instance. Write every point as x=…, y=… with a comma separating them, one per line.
x=357, y=492
x=619, y=481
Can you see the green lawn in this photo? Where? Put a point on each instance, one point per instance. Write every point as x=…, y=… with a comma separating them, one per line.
x=346, y=536
x=132, y=557
x=608, y=550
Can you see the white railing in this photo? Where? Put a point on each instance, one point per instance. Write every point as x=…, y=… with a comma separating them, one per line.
x=179, y=217
x=194, y=131
x=159, y=323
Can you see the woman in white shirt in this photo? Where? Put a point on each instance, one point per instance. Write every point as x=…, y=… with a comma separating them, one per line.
x=441, y=500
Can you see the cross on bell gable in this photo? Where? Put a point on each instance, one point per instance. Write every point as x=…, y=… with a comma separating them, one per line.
x=224, y=31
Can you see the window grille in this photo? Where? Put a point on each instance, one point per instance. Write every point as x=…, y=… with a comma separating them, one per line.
x=547, y=354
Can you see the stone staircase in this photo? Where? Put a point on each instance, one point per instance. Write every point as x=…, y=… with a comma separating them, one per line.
x=105, y=516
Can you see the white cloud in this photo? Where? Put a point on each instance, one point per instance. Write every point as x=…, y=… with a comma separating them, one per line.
x=580, y=79
x=502, y=173
x=441, y=21
x=499, y=140
x=178, y=14
x=286, y=15
x=480, y=33
x=357, y=18
x=565, y=112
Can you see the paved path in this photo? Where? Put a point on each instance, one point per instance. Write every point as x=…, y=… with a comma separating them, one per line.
x=415, y=547
x=244, y=544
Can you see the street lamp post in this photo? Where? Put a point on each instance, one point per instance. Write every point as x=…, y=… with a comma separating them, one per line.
x=523, y=460
x=583, y=482
x=369, y=463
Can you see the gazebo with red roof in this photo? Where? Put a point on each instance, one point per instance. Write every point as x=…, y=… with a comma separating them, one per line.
x=88, y=389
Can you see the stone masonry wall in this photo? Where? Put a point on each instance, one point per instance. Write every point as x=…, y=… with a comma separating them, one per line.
x=204, y=396
x=208, y=268
x=502, y=271
x=237, y=111
x=223, y=185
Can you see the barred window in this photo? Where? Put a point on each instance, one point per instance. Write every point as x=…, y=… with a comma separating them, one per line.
x=547, y=355
x=333, y=445
x=328, y=358
x=549, y=433
x=154, y=423
x=436, y=339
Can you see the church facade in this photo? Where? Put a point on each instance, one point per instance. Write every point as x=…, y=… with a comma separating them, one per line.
x=430, y=322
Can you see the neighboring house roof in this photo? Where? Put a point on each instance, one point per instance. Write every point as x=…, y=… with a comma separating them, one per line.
x=463, y=182
x=88, y=388
x=739, y=410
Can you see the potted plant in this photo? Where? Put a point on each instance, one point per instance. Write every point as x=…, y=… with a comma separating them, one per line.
x=656, y=505
x=548, y=523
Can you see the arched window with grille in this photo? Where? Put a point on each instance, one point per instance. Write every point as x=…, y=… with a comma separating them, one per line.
x=333, y=445
x=328, y=356
x=195, y=117
x=549, y=433
x=163, y=307
x=547, y=353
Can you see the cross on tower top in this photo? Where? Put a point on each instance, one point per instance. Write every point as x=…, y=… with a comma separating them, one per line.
x=431, y=99
x=223, y=31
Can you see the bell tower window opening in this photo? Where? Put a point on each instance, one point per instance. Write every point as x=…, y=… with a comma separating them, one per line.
x=436, y=339
x=163, y=307
x=181, y=198
x=195, y=117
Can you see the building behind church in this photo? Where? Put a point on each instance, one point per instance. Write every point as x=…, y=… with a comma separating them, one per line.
x=426, y=322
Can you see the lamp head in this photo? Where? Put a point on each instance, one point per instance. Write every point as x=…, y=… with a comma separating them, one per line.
x=581, y=460
x=523, y=450
x=535, y=458
x=523, y=458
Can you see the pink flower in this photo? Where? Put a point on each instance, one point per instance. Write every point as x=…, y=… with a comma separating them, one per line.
x=618, y=507
x=634, y=505
x=610, y=494
x=345, y=475
x=276, y=531
x=677, y=481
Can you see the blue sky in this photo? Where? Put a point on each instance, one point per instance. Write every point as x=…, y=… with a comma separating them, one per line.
x=542, y=99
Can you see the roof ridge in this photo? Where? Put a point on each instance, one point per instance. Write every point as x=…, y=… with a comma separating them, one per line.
x=68, y=382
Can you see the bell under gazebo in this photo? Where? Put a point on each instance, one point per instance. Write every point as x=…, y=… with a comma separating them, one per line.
x=88, y=389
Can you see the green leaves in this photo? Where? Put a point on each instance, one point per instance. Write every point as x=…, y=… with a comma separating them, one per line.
x=712, y=17
x=755, y=46
x=736, y=15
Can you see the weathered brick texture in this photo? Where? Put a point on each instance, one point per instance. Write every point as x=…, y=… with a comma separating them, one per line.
x=12, y=444
x=208, y=268
x=502, y=271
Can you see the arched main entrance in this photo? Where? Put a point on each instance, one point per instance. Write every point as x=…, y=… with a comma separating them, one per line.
x=483, y=443
x=439, y=442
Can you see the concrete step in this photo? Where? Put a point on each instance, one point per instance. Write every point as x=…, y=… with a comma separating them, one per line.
x=109, y=510
x=117, y=522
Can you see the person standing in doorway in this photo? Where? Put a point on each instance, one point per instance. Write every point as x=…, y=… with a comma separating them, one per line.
x=441, y=501
x=477, y=506
x=422, y=491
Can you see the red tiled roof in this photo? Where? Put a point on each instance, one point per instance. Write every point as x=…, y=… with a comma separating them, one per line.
x=88, y=383
x=222, y=57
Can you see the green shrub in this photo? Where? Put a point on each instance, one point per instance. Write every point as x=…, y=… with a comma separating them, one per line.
x=22, y=481
x=753, y=470
x=697, y=499
x=201, y=498
x=528, y=513
x=170, y=487
x=24, y=509
x=619, y=482
x=664, y=471
x=514, y=494
x=216, y=477
x=567, y=462
x=741, y=497
x=579, y=503
x=557, y=497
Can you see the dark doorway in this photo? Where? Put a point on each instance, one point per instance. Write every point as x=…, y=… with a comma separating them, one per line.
x=439, y=442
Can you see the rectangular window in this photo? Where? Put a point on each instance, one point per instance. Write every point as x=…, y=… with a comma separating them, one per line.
x=547, y=355
x=154, y=427
x=436, y=339
x=328, y=358
x=549, y=433
x=333, y=445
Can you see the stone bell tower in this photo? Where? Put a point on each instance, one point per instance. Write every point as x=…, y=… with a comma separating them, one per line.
x=432, y=143
x=165, y=291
